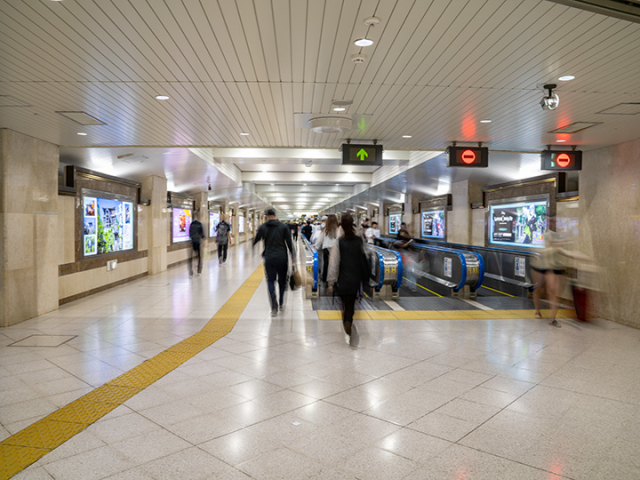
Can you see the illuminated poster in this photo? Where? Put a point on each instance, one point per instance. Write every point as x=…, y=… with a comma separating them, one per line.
x=181, y=223
x=107, y=225
x=241, y=224
x=518, y=224
x=394, y=223
x=214, y=220
x=433, y=224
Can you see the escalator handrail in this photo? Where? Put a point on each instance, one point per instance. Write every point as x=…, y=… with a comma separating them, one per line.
x=399, y=266
x=314, y=252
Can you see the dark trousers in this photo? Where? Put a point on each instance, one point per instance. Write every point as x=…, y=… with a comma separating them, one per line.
x=325, y=264
x=348, y=307
x=276, y=269
x=222, y=251
x=196, y=251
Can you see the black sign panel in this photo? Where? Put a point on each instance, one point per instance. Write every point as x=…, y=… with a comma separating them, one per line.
x=361, y=154
x=557, y=160
x=467, y=157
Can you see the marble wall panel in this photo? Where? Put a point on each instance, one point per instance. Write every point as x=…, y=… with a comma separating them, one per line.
x=66, y=229
x=478, y=226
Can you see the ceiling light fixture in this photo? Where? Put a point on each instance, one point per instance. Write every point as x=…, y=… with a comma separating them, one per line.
x=162, y=97
x=406, y=136
x=566, y=78
x=81, y=133
x=339, y=109
x=560, y=141
x=363, y=42
x=485, y=121
x=244, y=134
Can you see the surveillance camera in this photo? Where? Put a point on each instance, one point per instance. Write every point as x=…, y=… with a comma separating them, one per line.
x=209, y=187
x=550, y=102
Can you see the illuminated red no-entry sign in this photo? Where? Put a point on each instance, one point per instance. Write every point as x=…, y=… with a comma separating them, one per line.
x=468, y=157
x=563, y=160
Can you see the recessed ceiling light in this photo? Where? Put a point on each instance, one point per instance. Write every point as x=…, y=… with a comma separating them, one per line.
x=162, y=97
x=244, y=134
x=81, y=133
x=485, y=121
x=566, y=78
x=406, y=136
x=339, y=109
x=560, y=141
x=363, y=42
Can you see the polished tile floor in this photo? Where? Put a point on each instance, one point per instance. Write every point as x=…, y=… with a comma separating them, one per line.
x=291, y=398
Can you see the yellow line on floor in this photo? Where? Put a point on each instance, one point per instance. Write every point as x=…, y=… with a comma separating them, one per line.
x=497, y=291
x=430, y=291
x=30, y=444
x=440, y=314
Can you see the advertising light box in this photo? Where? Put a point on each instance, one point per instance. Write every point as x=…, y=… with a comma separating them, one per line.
x=108, y=223
x=433, y=224
x=214, y=220
x=518, y=224
x=181, y=221
x=241, y=224
x=395, y=219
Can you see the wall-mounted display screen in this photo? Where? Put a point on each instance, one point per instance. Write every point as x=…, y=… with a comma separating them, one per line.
x=395, y=219
x=181, y=222
x=108, y=224
x=521, y=224
x=214, y=220
x=241, y=224
x=433, y=224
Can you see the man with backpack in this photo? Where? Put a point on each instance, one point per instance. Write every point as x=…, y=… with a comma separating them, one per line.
x=223, y=238
x=196, y=234
x=277, y=247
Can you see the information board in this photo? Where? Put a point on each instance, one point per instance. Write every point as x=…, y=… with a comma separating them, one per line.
x=108, y=224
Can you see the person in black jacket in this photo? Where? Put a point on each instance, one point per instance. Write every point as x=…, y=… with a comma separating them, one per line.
x=277, y=246
x=307, y=230
x=196, y=233
x=348, y=268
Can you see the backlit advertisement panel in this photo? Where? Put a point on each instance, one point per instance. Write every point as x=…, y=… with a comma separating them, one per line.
x=433, y=224
x=518, y=224
x=214, y=220
x=107, y=225
x=395, y=220
x=241, y=224
x=181, y=221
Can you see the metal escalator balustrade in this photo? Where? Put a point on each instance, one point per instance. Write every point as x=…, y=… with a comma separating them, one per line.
x=311, y=266
x=388, y=270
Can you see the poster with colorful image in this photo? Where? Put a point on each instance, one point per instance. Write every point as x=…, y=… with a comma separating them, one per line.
x=107, y=225
x=433, y=224
x=395, y=220
x=214, y=220
x=181, y=222
x=518, y=224
x=241, y=224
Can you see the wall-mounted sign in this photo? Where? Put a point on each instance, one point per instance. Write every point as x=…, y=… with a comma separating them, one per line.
x=561, y=160
x=467, y=157
x=353, y=154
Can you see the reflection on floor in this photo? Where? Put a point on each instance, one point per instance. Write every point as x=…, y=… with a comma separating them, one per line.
x=290, y=397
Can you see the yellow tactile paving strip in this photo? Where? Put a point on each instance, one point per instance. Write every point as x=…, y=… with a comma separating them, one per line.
x=27, y=446
x=440, y=314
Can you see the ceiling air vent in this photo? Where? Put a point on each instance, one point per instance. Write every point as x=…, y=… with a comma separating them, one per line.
x=575, y=127
x=333, y=124
x=624, y=9
x=622, y=109
x=82, y=118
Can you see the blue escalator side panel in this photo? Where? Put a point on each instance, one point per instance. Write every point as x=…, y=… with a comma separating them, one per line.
x=400, y=271
x=463, y=280
x=315, y=269
x=480, y=274
x=381, y=266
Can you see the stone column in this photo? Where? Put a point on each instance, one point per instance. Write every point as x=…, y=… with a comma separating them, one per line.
x=234, y=227
x=459, y=221
x=28, y=227
x=154, y=188
x=409, y=205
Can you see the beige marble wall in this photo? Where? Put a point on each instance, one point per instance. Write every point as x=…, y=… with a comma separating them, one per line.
x=609, y=215
x=29, y=248
x=459, y=220
x=178, y=256
x=478, y=226
x=66, y=229
x=155, y=189
x=81, y=282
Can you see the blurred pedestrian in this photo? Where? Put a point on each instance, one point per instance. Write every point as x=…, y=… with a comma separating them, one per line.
x=307, y=230
x=277, y=248
x=223, y=239
x=372, y=233
x=348, y=269
x=196, y=234
x=325, y=242
x=404, y=245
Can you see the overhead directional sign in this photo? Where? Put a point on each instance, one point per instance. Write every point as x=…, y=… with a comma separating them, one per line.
x=561, y=160
x=353, y=154
x=467, y=157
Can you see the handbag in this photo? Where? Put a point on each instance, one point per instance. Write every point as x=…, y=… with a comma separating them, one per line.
x=295, y=280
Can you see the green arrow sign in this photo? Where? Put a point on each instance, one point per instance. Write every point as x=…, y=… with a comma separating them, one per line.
x=362, y=123
x=362, y=154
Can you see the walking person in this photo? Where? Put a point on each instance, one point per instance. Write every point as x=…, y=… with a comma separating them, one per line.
x=348, y=269
x=223, y=239
x=196, y=234
x=404, y=245
x=307, y=230
x=277, y=247
x=325, y=242
x=372, y=234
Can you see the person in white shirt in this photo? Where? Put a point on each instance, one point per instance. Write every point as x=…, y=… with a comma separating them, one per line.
x=372, y=233
x=325, y=241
